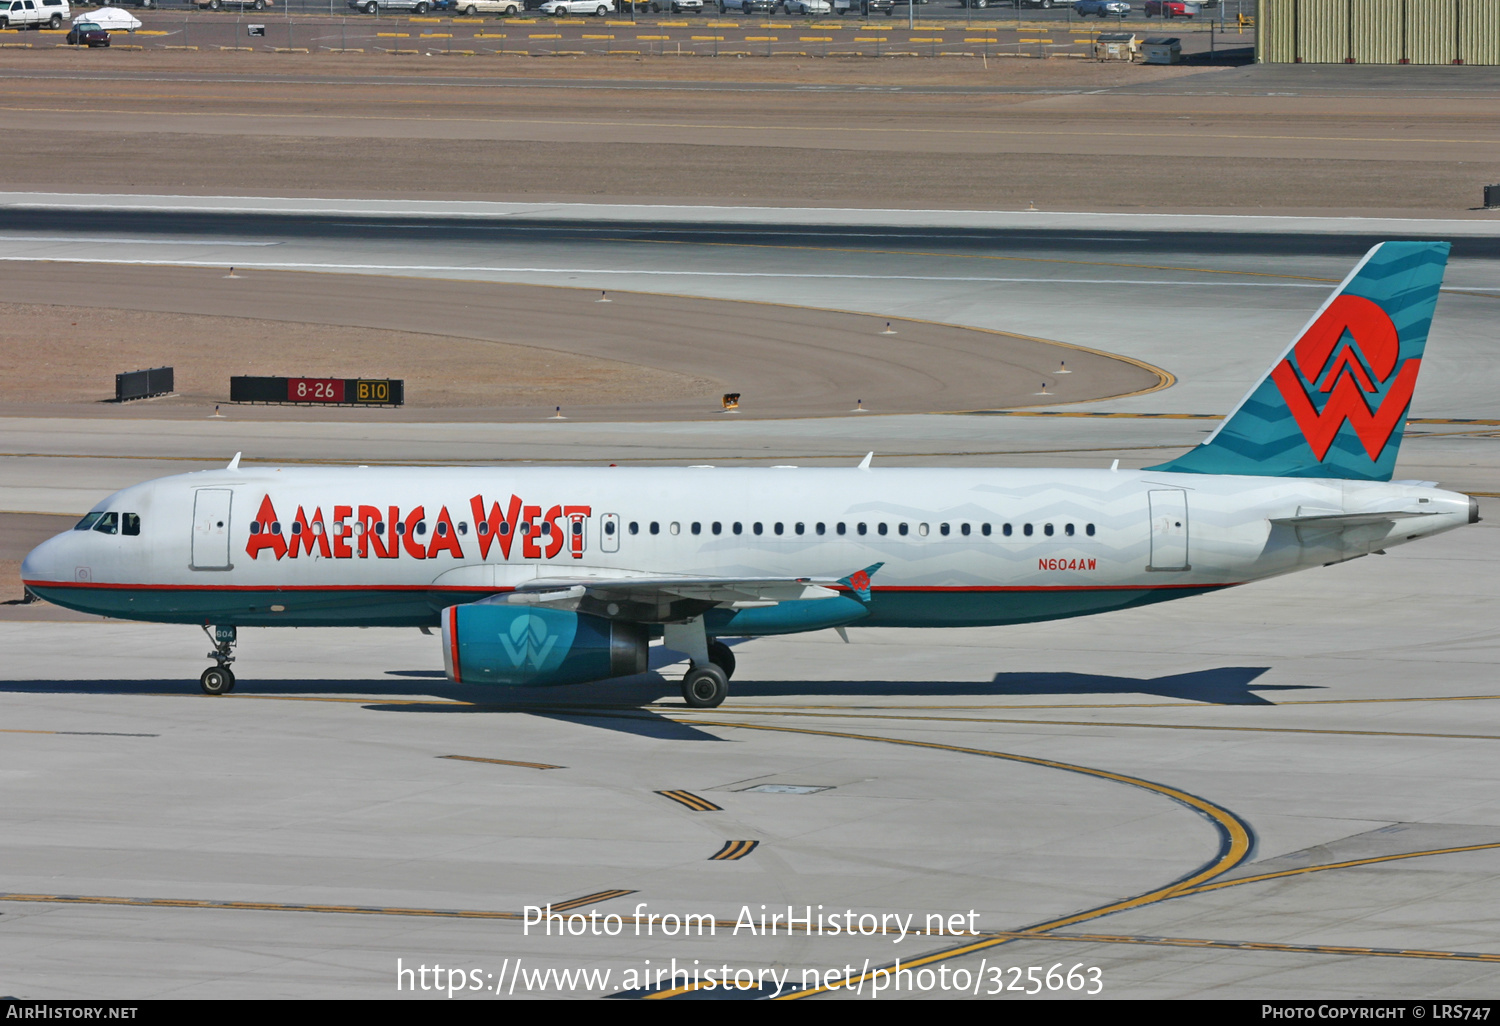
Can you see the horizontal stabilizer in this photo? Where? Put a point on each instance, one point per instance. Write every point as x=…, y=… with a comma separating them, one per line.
x=1341, y=520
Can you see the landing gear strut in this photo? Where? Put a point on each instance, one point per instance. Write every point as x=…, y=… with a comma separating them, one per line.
x=218, y=679
x=707, y=683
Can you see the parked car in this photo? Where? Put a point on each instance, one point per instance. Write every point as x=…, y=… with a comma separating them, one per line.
x=111, y=19
x=675, y=6
x=864, y=7
x=561, y=8
x=86, y=33
x=219, y=5
x=376, y=6
x=814, y=7
x=33, y=14
x=1103, y=8
x=1171, y=8
x=473, y=7
x=747, y=6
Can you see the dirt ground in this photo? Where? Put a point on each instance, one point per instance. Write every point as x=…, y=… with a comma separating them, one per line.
x=1064, y=135
x=63, y=354
x=484, y=351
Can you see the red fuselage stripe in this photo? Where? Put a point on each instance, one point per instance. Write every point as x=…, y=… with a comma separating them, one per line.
x=492, y=591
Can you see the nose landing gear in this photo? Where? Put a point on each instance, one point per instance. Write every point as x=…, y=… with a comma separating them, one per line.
x=218, y=679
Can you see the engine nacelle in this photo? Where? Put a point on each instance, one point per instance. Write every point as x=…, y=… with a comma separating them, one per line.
x=495, y=643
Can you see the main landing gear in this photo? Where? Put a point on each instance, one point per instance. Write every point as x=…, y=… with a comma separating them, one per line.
x=706, y=684
x=218, y=679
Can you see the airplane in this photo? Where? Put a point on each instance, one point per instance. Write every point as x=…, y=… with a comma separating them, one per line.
x=551, y=576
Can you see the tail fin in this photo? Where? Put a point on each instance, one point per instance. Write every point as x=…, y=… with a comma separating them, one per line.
x=1335, y=402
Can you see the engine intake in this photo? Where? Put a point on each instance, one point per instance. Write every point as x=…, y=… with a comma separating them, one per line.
x=485, y=643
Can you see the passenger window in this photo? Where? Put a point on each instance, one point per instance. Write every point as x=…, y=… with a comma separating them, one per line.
x=800, y=528
x=922, y=529
x=860, y=528
x=1006, y=530
x=635, y=527
x=718, y=527
x=296, y=527
x=820, y=529
x=422, y=527
x=757, y=528
x=442, y=529
x=463, y=527
x=901, y=530
x=985, y=530
x=943, y=530
x=1047, y=530
x=963, y=529
x=1026, y=530
x=655, y=527
x=130, y=523
x=1068, y=530
x=483, y=528
x=779, y=528
x=1089, y=530
x=577, y=526
x=88, y=521
x=275, y=527
x=881, y=528
x=739, y=528
x=674, y=527
x=697, y=527
x=839, y=529
x=108, y=524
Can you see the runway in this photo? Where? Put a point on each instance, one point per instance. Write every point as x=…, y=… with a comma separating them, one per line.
x=1284, y=790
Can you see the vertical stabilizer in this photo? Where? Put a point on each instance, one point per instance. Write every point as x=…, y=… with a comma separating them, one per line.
x=1335, y=403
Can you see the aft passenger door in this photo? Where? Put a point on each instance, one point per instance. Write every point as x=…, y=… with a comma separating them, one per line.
x=211, y=529
x=609, y=532
x=1169, y=530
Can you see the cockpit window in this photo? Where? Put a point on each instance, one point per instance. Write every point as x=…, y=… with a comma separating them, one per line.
x=109, y=523
x=88, y=521
x=130, y=523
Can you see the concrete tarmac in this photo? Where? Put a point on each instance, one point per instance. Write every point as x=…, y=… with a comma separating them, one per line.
x=1278, y=791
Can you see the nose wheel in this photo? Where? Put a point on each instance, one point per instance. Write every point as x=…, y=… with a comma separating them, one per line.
x=219, y=679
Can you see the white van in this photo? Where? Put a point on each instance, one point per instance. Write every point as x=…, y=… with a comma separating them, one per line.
x=33, y=14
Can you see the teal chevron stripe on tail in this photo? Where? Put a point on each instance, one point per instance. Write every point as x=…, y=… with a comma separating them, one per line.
x=1335, y=402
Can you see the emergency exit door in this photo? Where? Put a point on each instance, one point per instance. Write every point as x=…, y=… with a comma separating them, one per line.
x=1169, y=530
x=211, y=529
x=609, y=532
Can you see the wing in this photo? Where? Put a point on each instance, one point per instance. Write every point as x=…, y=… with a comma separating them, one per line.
x=662, y=598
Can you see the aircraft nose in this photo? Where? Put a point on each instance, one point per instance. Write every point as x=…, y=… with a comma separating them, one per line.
x=47, y=561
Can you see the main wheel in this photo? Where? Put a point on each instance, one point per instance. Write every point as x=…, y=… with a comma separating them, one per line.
x=215, y=5
x=705, y=687
x=421, y=8
x=217, y=680
x=55, y=22
x=601, y=12
x=722, y=656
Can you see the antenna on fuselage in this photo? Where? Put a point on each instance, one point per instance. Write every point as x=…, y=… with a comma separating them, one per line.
x=234, y=464
x=864, y=464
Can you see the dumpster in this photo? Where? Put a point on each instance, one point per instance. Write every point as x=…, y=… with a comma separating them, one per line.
x=1115, y=46
x=1162, y=50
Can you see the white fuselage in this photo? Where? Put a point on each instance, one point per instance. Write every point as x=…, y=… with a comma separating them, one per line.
x=370, y=546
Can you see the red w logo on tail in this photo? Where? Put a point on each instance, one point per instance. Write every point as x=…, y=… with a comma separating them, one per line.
x=1345, y=379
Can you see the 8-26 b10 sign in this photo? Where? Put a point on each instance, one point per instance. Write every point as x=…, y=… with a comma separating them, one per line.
x=332, y=391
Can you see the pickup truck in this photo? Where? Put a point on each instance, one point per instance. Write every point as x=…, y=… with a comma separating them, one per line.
x=33, y=14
